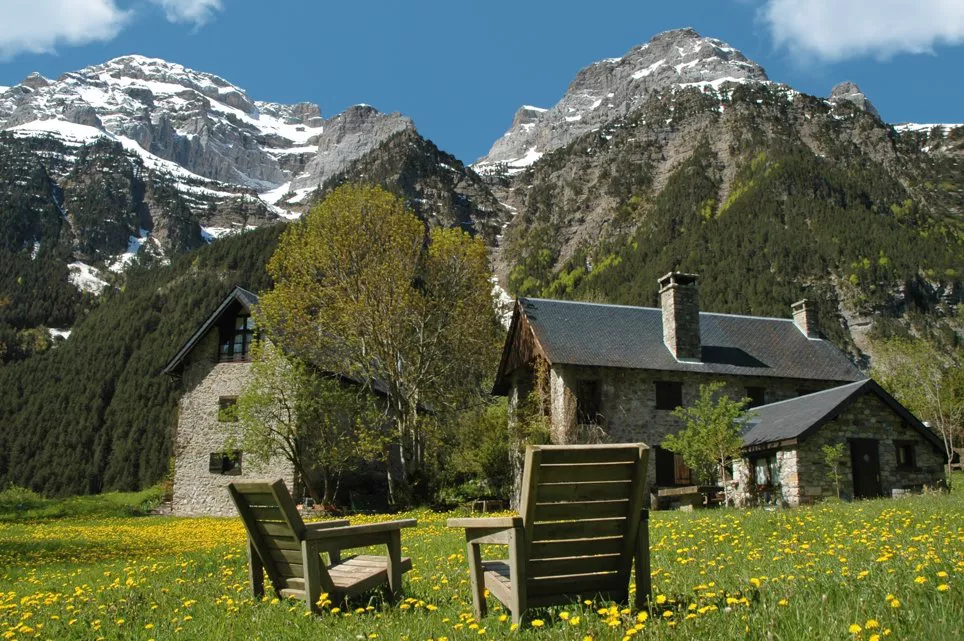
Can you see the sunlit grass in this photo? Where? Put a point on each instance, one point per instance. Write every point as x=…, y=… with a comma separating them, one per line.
x=890, y=569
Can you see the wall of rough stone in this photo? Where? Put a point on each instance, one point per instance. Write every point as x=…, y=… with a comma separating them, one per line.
x=803, y=472
x=197, y=491
x=628, y=403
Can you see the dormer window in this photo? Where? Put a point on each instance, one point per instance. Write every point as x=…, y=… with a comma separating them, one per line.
x=236, y=341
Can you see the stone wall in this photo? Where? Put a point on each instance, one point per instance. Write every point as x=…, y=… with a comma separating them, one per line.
x=197, y=491
x=628, y=406
x=803, y=472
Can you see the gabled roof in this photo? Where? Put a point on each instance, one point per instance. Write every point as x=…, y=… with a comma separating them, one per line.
x=247, y=299
x=591, y=334
x=795, y=419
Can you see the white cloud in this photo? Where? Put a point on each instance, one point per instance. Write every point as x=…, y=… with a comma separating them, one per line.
x=196, y=11
x=38, y=26
x=839, y=29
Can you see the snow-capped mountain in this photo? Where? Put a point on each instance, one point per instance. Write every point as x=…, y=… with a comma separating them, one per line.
x=197, y=121
x=612, y=88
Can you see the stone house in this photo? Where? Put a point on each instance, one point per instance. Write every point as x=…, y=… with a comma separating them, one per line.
x=888, y=450
x=213, y=367
x=615, y=373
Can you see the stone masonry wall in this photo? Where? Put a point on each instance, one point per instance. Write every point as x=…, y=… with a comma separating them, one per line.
x=628, y=404
x=197, y=491
x=869, y=417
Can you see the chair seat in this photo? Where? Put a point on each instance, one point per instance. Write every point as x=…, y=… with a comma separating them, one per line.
x=350, y=574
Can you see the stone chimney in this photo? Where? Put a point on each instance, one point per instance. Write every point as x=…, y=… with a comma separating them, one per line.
x=805, y=318
x=680, y=301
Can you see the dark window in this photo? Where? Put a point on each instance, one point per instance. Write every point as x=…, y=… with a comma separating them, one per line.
x=236, y=341
x=757, y=396
x=228, y=409
x=669, y=395
x=227, y=463
x=804, y=392
x=588, y=401
x=670, y=469
x=905, y=454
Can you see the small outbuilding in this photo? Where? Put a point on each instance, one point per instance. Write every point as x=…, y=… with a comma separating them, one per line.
x=888, y=450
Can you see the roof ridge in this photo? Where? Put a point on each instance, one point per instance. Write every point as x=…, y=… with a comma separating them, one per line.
x=656, y=309
x=812, y=394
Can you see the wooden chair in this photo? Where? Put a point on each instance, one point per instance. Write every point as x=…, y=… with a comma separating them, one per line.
x=582, y=523
x=289, y=550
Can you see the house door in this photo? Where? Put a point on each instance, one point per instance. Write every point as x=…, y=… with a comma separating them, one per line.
x=865, y=462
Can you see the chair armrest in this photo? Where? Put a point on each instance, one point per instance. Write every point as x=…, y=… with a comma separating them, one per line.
x=324, y=525
x=360, y=532
x=488, y=523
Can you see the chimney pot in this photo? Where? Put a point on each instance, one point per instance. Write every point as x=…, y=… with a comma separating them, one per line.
x=805, y=318
x=680, y=303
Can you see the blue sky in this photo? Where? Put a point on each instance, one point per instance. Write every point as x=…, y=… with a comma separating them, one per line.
x=461, y=69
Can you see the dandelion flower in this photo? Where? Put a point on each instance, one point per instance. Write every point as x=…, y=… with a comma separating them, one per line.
x=855, y=628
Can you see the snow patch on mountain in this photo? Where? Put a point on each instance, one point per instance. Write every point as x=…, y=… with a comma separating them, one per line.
x=86, y=278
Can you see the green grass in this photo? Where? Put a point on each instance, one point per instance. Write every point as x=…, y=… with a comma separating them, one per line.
x=18, y=504
x=808, y=573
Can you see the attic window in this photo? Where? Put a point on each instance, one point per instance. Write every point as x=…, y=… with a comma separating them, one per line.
x=236, y=341
x=669, y=395
x=588, y=402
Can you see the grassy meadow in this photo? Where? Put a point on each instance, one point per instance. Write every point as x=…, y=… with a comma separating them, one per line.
x=868, y=571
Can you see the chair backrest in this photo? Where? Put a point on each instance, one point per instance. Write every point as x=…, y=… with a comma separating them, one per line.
x=581, y=508
x=274, y=527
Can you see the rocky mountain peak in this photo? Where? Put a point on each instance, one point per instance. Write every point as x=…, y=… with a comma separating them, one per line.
x=346, y=138
x=35, y=81
x=849, y=92
x=611, y=88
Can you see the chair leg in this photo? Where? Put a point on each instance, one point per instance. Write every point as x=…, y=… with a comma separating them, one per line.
x=311, y=560
x=643, y=578
x=476, y=575
x=394, y=569
x=255, y=571
x=517, y=572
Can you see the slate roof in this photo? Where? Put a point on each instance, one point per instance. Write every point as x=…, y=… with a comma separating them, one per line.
x=574, y=333
x=239, y=294
x=796, y=418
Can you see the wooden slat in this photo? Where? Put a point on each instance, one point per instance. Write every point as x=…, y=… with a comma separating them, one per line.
x=260, y=499
x=281, y=543
x=586, y=586
x=267, y=514
x=581, y=509
x=589, y=454
x=560, y=492
x=295, y=583
x=270, y=528
x=573, y=565
x=289, y=569
x=559, y=549
x=289, y=556
x=578, y=529
x=583, y=473
x=290, y=592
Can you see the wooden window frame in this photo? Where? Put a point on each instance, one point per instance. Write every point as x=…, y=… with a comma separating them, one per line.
x=228, y=351
x=912, y=451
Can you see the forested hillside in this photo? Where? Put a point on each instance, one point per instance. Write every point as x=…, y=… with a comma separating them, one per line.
x=95, y=413
x=769, y=196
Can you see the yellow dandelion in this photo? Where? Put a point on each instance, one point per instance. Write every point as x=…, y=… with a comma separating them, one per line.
x=943, y=587
x=855, y=628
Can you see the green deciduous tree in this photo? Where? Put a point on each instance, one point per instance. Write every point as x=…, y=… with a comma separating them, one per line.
x=320, y=423
x=929, y=382
x=363, y=290
x=711, y=434
x=833, y=456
